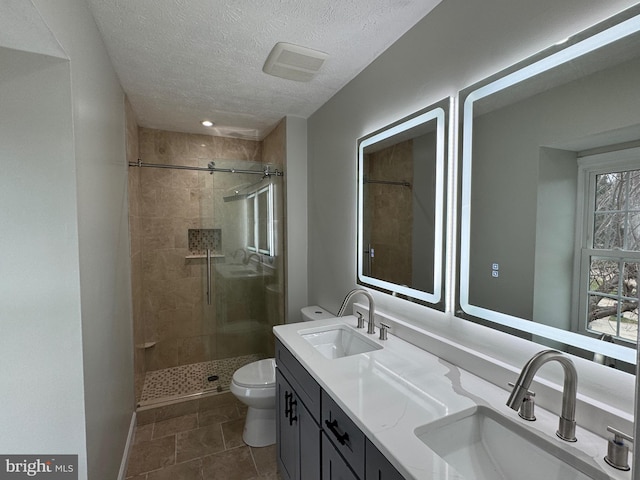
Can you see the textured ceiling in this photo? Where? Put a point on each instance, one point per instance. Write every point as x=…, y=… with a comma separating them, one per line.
x=182, y=61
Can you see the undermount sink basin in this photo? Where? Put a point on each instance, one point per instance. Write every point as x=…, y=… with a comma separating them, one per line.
x=339, y=341
x=482, y=444
x=237, y=271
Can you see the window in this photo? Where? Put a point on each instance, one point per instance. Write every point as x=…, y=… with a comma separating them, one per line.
x=260, y=217
x=610, y=253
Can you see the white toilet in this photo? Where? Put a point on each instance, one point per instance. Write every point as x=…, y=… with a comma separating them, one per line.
x=255, y=386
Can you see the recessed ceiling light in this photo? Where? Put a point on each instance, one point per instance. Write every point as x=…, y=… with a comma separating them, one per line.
x=207, y=123
x=294, y=62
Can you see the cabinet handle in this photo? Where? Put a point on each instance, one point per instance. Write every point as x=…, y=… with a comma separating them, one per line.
x=287, y=404
x=343, y=438
x=292, y=418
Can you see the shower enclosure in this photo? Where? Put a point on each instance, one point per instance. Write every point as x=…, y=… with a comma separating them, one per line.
x=211, y=276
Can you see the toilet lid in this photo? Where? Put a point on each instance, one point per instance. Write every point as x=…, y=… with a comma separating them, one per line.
x=257, y=374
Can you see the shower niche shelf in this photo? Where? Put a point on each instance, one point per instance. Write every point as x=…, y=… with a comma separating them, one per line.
x=203, y=239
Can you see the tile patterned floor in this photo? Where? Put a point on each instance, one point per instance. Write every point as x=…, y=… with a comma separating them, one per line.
x=198, y=440
x=176, y=382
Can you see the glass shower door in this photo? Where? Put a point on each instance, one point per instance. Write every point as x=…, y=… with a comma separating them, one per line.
x=246, y=276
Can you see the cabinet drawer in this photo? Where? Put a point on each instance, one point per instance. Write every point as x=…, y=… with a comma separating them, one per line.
x=302, y=382
x=333, y=465
x=344, y=434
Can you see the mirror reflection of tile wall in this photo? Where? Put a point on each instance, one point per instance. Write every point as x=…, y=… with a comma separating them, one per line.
x=390, y=212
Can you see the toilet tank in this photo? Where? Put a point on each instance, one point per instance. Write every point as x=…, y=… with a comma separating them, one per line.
x=315, y=312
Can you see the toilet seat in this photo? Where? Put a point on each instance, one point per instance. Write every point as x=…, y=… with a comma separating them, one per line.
x=257, y=374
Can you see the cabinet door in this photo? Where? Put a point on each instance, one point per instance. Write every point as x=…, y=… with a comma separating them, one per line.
x=333, y=465
x=309, y=434
x=378, y=467
x=297, y=435
x=287, y=431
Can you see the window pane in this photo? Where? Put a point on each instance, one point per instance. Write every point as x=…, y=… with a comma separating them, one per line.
x=603, y=315
x=630, y=280
x=608, y=230
x=634, y=190
x=633, y=239
x=263, y=224
x=629, y=320
x=610, y=191
x=251, y=222
x=603, y=276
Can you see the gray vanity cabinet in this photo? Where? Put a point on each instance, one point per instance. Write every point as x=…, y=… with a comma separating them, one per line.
x=334, y=467
x=315, y=438
x=297, y=419
x=377, y=465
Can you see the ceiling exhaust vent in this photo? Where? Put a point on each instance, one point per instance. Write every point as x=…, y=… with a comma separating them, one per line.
x=294, y=62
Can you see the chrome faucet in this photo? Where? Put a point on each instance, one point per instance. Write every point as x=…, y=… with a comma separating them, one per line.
x=242, y=251
x=567, y=422
x=247, y=259
x=372, y=307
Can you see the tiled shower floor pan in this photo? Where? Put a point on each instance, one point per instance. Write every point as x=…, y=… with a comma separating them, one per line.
x=175, y=383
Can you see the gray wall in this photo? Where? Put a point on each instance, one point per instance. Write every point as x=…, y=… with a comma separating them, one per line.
x=456, y=45
x=296, y=212
x=66, y=306
x=555, y=235
x=41, y=343
x=424, y=173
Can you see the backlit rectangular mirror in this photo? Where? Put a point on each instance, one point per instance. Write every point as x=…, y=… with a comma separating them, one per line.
x=549, y=219
x=401, y=198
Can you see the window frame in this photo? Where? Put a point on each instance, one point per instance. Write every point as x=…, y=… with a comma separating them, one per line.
x=589, y=167
x=253, y=231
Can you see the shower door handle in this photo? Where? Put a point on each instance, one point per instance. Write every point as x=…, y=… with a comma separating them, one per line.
x=208, y=276
x=370, y=253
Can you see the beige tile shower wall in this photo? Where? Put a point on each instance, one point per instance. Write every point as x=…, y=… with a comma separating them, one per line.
x=392, y=213
x=274, y=145
x=174, y=306
x=135, y=250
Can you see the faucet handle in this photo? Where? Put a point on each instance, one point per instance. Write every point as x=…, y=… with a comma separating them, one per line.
x=360, y=320
x=617, y=450
x=527, y=409
x=383, y=331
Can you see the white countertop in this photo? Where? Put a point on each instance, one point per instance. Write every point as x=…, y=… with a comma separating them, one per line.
x=240, y=271
x=390, y=392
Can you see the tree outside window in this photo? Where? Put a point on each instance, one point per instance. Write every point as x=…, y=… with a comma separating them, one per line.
x=614, y=256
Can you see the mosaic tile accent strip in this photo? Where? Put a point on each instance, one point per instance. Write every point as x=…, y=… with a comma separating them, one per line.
x=175, y=382
x=201, y=239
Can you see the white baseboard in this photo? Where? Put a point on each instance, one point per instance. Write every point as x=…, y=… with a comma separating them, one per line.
x=127, y=448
